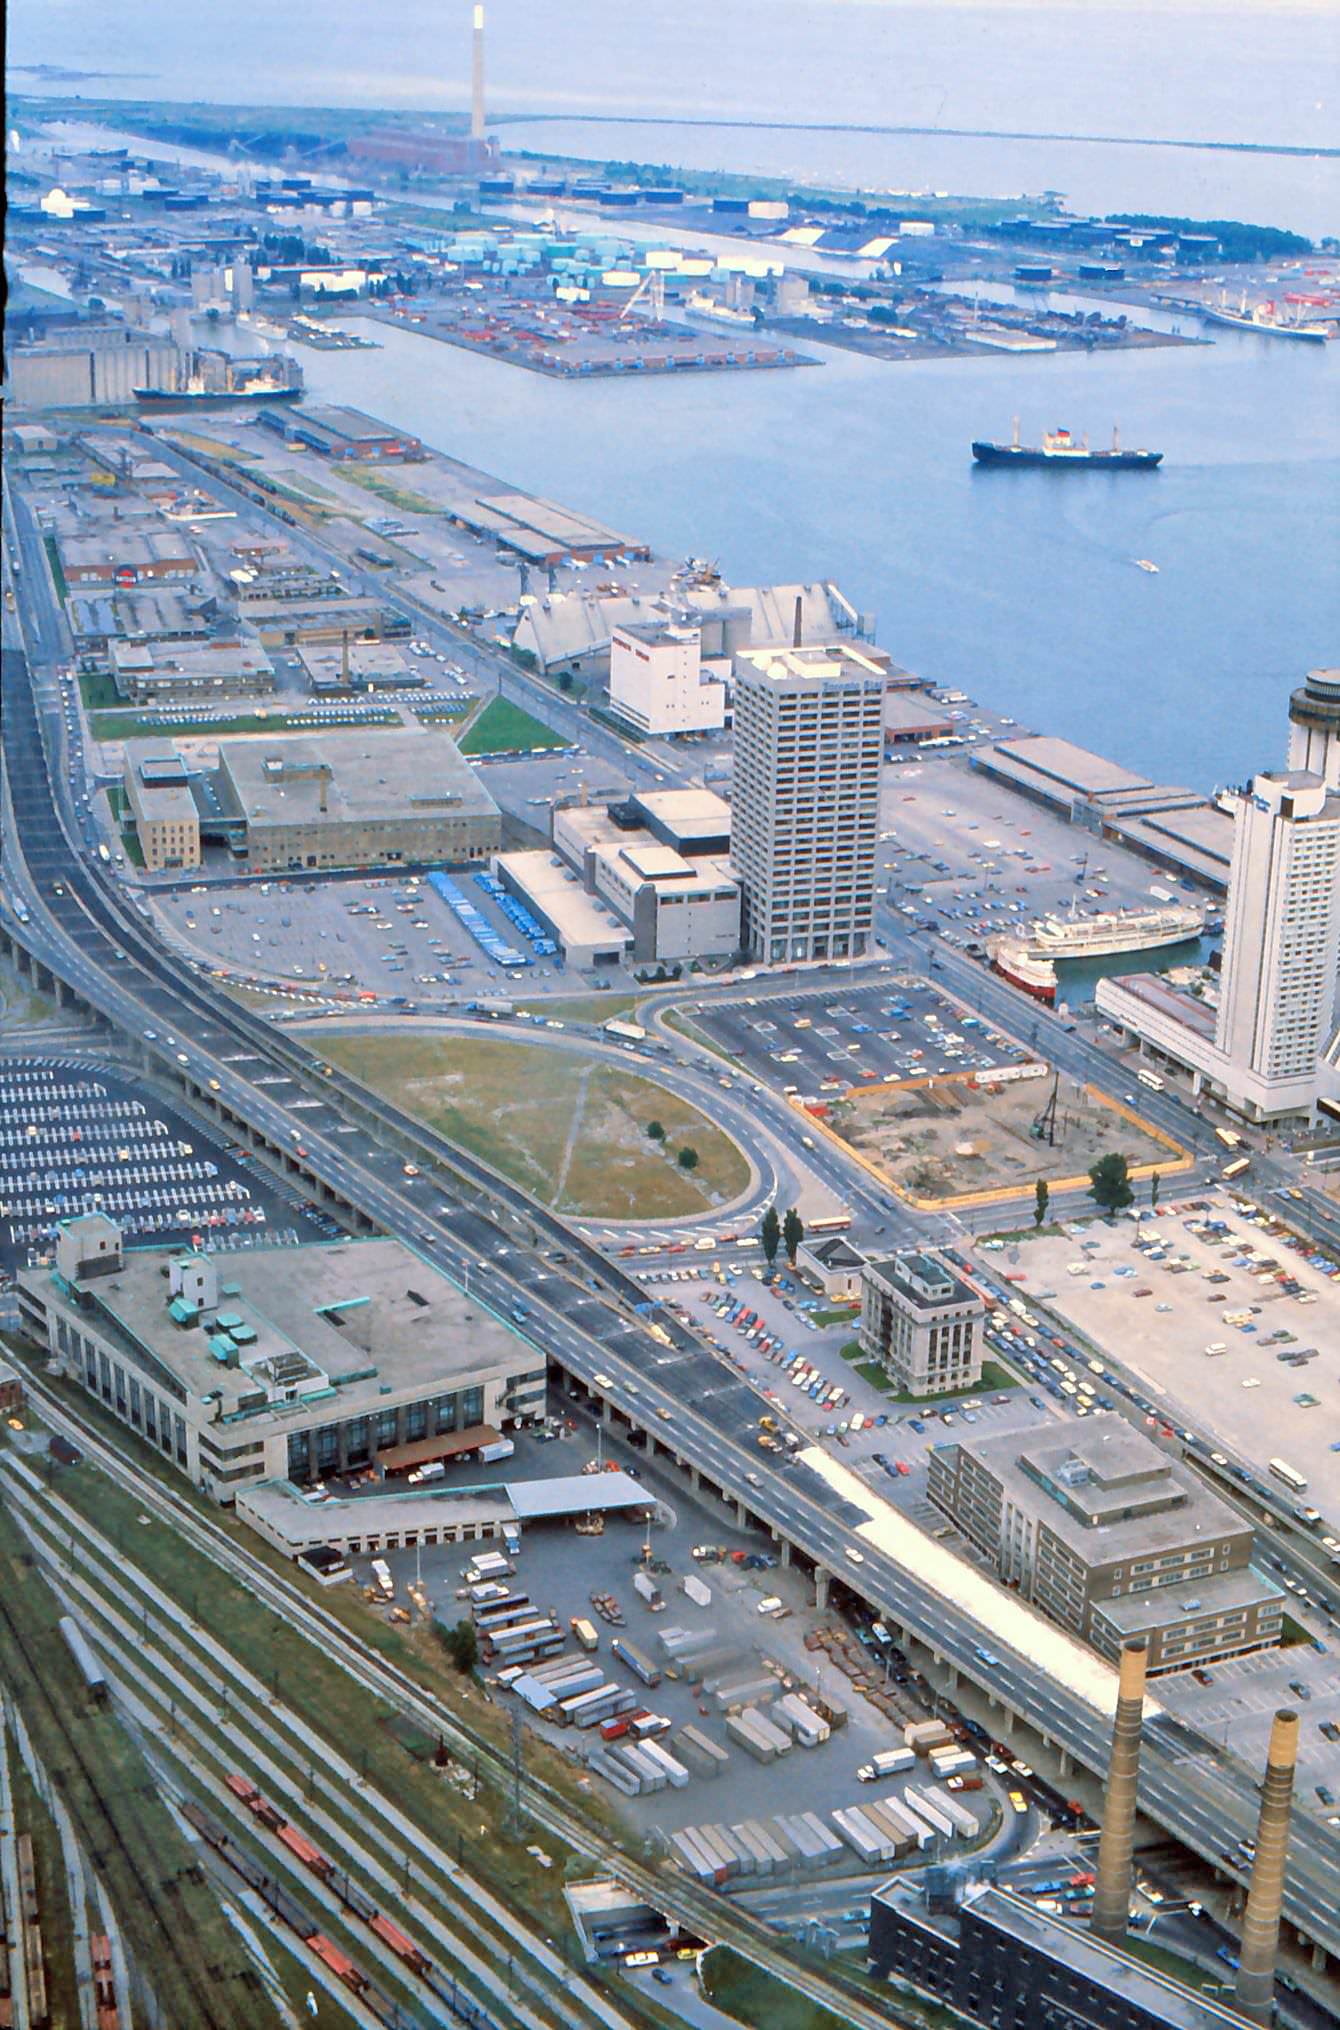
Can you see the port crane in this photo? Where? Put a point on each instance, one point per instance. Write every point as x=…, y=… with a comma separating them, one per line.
x=652, y=286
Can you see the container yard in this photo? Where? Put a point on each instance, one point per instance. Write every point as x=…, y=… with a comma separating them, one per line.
x=554, y=332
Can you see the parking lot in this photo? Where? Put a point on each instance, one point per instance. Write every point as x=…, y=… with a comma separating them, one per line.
x=819, y=1041
x=1226, y=1321
x=561, y=1571
x=978, y=859
x=394, y=937
x=1238, y=1704
x=78, y=1137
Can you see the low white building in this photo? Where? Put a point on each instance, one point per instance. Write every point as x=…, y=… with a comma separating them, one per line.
x=659, y=682
x=833, y=1264
x=660, y=863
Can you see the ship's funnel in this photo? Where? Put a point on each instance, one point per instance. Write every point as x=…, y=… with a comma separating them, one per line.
x=1261, y=1924
x=1112, y=1885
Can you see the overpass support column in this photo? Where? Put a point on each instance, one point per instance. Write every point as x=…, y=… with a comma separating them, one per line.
x=784, y=1553
x=606, y=1413
x=821, y=1583
x=695, y=1480
x=741, y=1515
x=1319, y=1959
x=1063, y=1763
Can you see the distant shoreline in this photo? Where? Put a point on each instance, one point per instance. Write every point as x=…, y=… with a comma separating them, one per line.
x=934, y=133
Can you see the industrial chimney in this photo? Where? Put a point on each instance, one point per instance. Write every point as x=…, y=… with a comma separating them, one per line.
x=477, y=80
x=798, y=630
x=1112, y=1887
x=1261, y=1924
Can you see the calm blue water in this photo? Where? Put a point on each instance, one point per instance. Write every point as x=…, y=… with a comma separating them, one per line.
x=1019, y=587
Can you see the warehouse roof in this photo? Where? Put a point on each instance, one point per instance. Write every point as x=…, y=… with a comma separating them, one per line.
x=362, y=777
x=575, y=1494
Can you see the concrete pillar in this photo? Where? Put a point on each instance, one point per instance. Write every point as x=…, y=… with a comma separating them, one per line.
x=784, y=1558
x=695, y=1479
x=741, y=1515
x=1255, y=1991
x=1319, y=1959
x=821, y=1582
x=606, y=1413
x=1063, y=1763
x=1112, y=1889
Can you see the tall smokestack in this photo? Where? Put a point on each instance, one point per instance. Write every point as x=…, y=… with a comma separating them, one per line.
x=1261, y=1924
x=1112, y=1887
x=477, y=80
x=798, y=629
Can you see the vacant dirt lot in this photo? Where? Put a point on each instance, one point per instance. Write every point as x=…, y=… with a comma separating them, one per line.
x=949, y=1140
x=567, y=1128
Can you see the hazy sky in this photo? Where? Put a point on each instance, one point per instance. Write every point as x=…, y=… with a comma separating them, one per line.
x=1250, y=70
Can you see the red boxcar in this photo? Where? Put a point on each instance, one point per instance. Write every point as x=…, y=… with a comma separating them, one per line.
x=402, y=1947
x=303, y=1850
x=337, y=1962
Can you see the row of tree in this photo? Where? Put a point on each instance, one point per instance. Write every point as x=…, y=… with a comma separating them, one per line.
x=774, y=1233
x=1109, y=1187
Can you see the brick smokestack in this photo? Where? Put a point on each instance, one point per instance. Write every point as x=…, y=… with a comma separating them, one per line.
x=1112, y=1888
x=477, y=80
x=1261, y=1924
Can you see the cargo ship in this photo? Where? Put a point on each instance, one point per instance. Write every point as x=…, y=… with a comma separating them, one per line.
x=1059, y=452
x=1262, y=318
x=213, y=377
x=1030, y=963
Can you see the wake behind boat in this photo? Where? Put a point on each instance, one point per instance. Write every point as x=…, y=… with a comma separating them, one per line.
x=1059, y=452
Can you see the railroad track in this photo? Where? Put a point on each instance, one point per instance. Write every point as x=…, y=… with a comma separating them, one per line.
x=699, y=1912
x=168, y=1918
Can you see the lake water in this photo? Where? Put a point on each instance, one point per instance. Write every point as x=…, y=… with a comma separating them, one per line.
x=1019, y=587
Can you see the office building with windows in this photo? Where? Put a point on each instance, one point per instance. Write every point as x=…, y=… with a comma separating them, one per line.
x=1112, y=1539
x=809, y=744
x=280, y=1363
x=922, y=1324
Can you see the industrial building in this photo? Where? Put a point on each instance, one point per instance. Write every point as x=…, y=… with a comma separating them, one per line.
x=1176, y=828
x=158, y=795
x=659, y=863
x=189, y=672
x=91, y=368
x=809, y=745
x=659, y=683
x=922, y=1324
x=280, y=1363
x=914, y=716
x=588, y=934
x=574, y=635
x=342, y=434
x=1112, y=1539
x=357, y=666
x=126, y=553
x=996, y=1959
x=379, y=799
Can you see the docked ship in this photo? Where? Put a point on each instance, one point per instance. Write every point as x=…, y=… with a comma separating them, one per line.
x=1059, y=452
x=215, y=378
x=1030, y=963
x=1263, y=319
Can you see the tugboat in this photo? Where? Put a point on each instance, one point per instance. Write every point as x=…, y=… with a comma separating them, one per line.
x=1060, y=453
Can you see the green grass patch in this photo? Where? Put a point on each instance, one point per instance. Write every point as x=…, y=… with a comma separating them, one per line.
x=852, y=1350
x=994, y=1377
x=392, y=491
x=570, y=1129
x=52, y=549
x=210, y=447
x=98, y=691
x=1171, y=1963
x=842, y=1314
x=871, y=1371
x=130, y=845
x=172, y=1920
x=1293, y=1635
x=132, y=725
x=758, y=1999
x=505, y=728
x=587, y=1007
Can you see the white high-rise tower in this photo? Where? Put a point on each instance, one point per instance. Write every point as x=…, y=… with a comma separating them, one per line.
x=1314, y=726
x=1277, y=1008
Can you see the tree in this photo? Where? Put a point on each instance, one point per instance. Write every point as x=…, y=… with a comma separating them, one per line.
x=1154, y=1191
x=656, y=1131
x=793, y=1233
x=688, y=1158
x=770, y=1233
x=1041, y=1200
x=1110, y=1182
x=462, y=1646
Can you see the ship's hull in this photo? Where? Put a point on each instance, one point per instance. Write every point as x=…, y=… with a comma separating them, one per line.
x=200, y=399
x=1034, y=978
x=1310, y=334
x=1067, y=461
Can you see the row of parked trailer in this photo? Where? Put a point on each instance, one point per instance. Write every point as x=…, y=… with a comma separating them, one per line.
x=516, y=912
x=474, y=920
x=875, y=1833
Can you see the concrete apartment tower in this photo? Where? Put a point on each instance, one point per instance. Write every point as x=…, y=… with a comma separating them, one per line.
x=1261, y=1924
x=809, y=744
x=1112, y=1887
x=1277, y=1004
x=477, y=79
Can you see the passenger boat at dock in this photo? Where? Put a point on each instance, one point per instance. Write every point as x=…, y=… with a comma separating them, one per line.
x=1030, y=962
